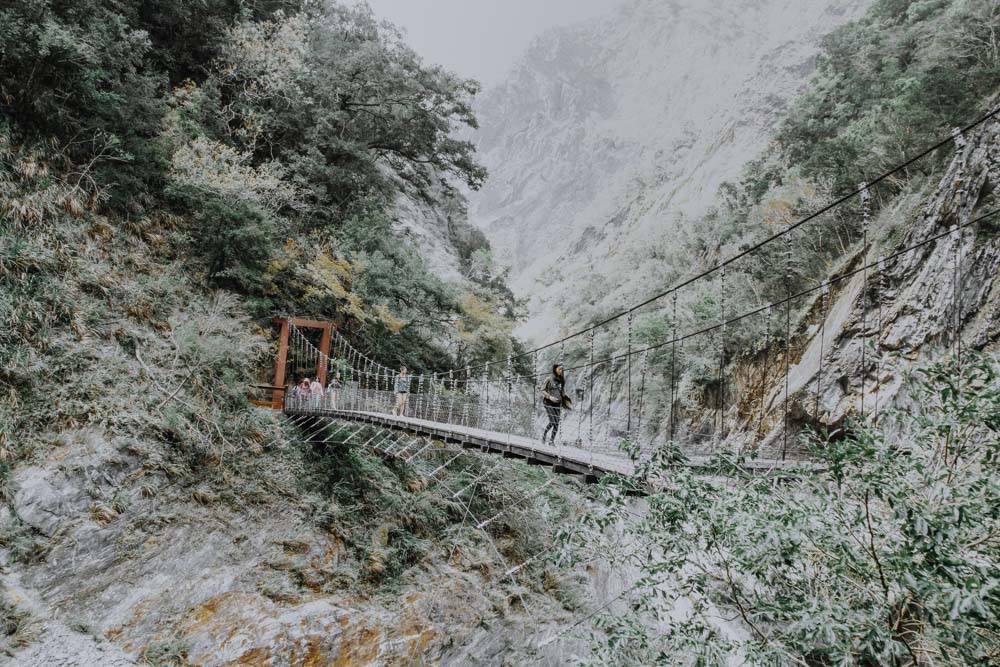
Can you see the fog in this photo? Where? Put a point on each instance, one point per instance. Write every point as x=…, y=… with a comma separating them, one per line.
x=482, y=38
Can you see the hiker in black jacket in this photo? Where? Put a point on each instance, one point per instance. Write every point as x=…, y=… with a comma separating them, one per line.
x=553, y=397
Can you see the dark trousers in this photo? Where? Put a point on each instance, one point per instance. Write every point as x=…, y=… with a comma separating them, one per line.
x=554, y=413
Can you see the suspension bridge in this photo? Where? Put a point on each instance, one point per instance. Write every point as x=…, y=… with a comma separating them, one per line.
x=493, y=415
x=626, y=390
x=819, y=354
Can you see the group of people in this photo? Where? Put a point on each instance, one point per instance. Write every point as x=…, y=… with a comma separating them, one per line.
x=311, y=393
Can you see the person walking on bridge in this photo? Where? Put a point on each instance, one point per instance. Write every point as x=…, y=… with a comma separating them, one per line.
x=315, y=393
x=553, y=398
x=302, y=393
x=402, y=389
x=333, y=390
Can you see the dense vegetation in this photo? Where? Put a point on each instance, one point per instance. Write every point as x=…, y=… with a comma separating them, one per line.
x=894, y=81
x=886, y=556
x=172, y=175
x=265, y=145
x=216, y=164
x=886, y=87
x=393, y=515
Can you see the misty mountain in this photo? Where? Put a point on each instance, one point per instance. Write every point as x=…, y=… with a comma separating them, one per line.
x=610, y=134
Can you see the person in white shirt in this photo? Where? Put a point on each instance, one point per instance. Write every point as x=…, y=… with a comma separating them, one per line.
x=316, y=393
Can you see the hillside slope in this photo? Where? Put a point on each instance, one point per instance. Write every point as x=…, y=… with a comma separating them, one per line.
x=172, y=176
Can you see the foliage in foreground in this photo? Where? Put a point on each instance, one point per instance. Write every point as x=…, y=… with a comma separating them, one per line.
x=889, y=556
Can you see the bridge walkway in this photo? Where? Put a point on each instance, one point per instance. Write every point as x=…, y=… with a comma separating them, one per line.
x=563, y=458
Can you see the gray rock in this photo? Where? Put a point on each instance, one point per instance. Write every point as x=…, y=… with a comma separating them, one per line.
x=859, y=375
x=59, y=646
x=41, y=504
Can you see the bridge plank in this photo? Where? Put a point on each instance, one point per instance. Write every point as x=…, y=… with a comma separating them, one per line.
x=574, y=459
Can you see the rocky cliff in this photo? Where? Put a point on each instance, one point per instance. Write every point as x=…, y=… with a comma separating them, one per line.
x=108, y=563
x=439, y=228
x=942, y=298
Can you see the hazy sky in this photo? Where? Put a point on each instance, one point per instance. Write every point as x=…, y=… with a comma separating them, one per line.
x=481, y=38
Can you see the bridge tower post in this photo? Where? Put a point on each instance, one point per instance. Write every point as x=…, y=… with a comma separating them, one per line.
x=324, y=356
x=280, y=361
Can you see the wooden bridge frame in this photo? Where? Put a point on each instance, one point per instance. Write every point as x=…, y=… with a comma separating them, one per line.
x=278, y=388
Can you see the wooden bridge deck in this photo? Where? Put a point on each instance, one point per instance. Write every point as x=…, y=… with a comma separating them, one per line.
x=571, y=460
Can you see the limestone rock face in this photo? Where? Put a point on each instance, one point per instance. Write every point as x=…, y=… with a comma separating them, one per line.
x=89, y=471
x=168, y=575
x=939, y=298
x=39, y=503
x=441, y=232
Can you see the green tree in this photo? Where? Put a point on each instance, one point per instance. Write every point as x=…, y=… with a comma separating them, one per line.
x=891, y=82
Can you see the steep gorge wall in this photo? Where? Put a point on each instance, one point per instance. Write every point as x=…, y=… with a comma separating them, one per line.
x=852, y=352
x=441, y=232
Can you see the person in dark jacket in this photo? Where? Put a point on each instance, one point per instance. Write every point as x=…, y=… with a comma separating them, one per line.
x=553, y=396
